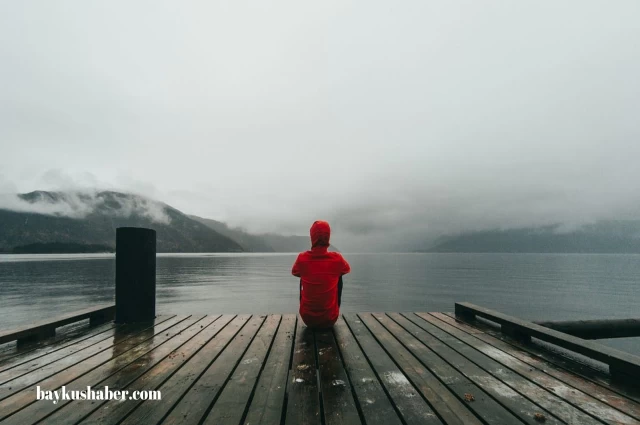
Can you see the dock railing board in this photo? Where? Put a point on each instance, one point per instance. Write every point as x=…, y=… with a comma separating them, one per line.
x=622, y=366
x=596, y=329
x=47, y=328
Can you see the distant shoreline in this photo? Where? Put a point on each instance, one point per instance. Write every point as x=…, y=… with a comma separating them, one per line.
x=62, y=248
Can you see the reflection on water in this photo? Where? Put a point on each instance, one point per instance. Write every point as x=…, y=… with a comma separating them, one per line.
x=530, y=286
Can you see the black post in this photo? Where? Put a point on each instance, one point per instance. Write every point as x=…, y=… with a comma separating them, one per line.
x=135, y=274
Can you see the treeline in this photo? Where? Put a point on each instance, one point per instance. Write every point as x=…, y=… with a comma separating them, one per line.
x=61, y=248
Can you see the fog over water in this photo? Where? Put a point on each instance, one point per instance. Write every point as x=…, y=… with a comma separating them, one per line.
x=390, y=120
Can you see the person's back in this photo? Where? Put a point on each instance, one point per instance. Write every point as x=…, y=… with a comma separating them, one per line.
x=320, y=271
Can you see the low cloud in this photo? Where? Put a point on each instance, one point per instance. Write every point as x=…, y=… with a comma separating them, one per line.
x=395, y=125
x=80, y=204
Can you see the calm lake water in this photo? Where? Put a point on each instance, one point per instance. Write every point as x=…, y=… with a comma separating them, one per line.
x=529, y=286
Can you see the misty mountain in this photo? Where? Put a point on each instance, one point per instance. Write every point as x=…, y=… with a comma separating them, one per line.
x=91, y=219
x=266, y=242
x=601, y=237
x=249, y=242
x=290, y=243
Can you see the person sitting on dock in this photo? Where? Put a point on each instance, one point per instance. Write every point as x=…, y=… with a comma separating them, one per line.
x=320, y=273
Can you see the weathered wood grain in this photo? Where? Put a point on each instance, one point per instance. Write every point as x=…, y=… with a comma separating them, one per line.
x=178, y=384
x=120, y=372
x=376, y=407
x=566, y=402
x=339, y=407
x=622, y=365
x=373, y=368
x=409, y=403
x=303, y=403
x=55, y=379
x=600, y=392
x=266, y=406
x=230, y=405
x=443, y=401
x=198, y=400
x=578, y=369
x=494, y=402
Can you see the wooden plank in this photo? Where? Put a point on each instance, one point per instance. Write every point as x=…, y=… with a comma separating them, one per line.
x=447, y=406
x=303, y=402
x=339, y=407
x=621, y=364
x=58, y=355
x=409, y=403
x=116, y=374
x=494, y=401
x=47, y=327
x=26, y=396
x=199, y=399
x=521, y=396
x=172, y=389
x=572, y=367
x=122, y=336
x=266, y=406
x=232, y=402
x=376, y=407
x=573, y=395
x=12, y=354
x=512, y=371
x=604, y=394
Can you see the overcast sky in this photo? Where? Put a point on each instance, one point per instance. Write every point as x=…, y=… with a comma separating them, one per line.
x=385, y=118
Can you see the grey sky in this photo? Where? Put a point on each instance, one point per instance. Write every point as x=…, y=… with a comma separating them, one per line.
x=385, y=118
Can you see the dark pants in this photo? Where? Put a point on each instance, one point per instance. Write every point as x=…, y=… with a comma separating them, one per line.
x=339, y=290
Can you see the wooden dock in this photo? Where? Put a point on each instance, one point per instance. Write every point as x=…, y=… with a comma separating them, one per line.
x=372, y=368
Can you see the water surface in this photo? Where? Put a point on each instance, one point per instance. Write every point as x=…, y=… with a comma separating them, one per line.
x=529, y=286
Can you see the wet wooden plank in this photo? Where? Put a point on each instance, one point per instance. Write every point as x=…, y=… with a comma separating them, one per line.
x=196, y=403
x=232, y=402
x=45, y=370
x=339, y=407
x=574, y=368
x=494, y=401
x=394, y=368
x=178, y=384
x=447, y=406
x=62, y=355
x=303, y=402
x=409, y=403
x=376, y=407
x=623, y=365
x=565, y=402
x=572, y=395
x=519, y=400
x=118, y=373
x=13, y=354
x=47, y=328
x=603, y=394
x=25, y=396
x=266, y=406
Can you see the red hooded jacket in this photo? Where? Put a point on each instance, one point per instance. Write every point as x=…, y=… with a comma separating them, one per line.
x=319, y=271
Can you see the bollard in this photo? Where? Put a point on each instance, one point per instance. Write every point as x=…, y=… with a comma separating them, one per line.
x=135, y=274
